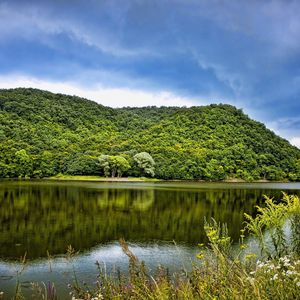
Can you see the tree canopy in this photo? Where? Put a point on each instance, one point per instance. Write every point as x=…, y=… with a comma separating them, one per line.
x=43, y=134
x=145, y=163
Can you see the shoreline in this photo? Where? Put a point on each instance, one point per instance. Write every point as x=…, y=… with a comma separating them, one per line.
x=145, y=179
x=101, y=179
x=89, y=178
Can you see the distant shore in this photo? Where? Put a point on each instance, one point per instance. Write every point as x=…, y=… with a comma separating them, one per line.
x=61, y=177
x=104, y=179
x=146, y=179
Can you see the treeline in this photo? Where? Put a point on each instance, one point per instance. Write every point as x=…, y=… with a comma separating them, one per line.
x=43, y=134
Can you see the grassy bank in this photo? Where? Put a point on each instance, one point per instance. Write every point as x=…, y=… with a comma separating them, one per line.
x=99, y=178
x=147, y=179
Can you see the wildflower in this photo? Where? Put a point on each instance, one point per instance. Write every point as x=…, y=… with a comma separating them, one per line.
x=250, y=279
x=286, y=261
x=275, y=277
x=298, y=283
x=98, y=297
x=260, y=265
x=288, y=273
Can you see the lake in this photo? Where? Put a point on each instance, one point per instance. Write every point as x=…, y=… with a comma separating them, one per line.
x=162, y=222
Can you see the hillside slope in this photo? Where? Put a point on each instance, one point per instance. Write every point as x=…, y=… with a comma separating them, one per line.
x=42, y=134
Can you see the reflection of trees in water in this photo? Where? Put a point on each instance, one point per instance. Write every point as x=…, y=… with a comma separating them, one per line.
x=125, y=199
x=50, y=217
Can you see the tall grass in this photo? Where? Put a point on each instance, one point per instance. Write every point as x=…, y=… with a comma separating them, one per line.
x=223, y=272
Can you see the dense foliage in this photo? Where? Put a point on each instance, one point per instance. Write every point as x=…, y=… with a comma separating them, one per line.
x=43, y=134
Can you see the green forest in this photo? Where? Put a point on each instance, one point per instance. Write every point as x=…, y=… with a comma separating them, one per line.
x=44, y=134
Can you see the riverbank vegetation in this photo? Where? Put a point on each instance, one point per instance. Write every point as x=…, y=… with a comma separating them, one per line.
x=43, y=134
x=222, y=272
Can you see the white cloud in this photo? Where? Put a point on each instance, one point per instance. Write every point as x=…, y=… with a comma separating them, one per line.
x=286, y=128
x=296, y=141
x=113, y=97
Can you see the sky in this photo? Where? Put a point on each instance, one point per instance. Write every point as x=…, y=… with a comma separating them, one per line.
x=160, y=52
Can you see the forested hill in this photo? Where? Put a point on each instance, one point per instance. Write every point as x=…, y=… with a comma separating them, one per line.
x=43, y=134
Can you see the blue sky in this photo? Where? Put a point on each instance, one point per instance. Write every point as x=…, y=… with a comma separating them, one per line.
x=160, y=52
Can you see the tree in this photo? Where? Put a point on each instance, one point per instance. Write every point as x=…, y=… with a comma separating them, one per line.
x=64, y=134
x=104, y=164
x=145, y=163
x=44, y=165
x=214, y=171
x=23, y=163
x=118, y=165
x=83, y=164
x=114, y=165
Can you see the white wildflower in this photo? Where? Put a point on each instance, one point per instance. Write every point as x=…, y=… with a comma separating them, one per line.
x=250, y=279
x=275, y=277
x=288, y=273
x=260, y=265
x=271, y=267
x=98, y=297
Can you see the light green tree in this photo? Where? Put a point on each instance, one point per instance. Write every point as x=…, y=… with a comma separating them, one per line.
x=118, y=165
x=104, y=164
x=145, y=163
x=214, y=171
x=114, y=165
x=23, y=163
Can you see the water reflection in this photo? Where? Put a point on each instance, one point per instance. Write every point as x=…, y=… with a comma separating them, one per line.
x=37, y=217
x=109, y=256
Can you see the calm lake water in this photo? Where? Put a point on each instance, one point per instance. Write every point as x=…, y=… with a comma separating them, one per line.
x=41, y=216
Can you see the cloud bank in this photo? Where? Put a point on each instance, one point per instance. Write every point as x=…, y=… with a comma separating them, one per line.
x=113, y=97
